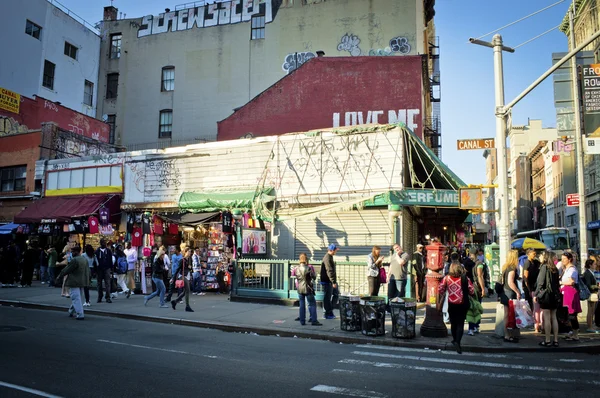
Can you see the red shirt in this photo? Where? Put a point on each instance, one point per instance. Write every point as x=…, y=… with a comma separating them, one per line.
x=454, y=287
x=136, y=237
x=93, y=225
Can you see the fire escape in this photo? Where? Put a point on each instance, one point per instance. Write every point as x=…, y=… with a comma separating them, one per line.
x=432, y=125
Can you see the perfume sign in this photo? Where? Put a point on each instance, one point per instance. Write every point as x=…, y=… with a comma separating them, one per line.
x=561, y=147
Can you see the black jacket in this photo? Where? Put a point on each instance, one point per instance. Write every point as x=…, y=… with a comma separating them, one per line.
x=305, y=274
x=158, y=268
x=105, y=260
x=185, y=267
x=328, y=274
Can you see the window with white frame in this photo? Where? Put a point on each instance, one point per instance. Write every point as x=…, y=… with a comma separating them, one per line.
x=165, y=127
x=167, y=81
x=115, y=45
x=88, y=93
x=258, y=27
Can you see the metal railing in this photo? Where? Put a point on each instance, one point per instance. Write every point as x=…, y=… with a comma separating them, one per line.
x=76, y=17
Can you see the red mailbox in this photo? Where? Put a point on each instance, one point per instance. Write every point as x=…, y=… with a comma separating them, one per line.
x=435, y=256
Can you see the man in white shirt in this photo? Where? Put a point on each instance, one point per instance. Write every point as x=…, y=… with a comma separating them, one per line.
x=132, y=258
x=197, y=267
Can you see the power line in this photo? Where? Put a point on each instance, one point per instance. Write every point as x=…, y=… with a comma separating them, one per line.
x=537, y=37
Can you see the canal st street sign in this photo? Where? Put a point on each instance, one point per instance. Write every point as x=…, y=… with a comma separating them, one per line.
x=475, y=143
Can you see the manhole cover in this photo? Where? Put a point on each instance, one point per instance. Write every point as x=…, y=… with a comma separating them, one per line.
x=9, y=328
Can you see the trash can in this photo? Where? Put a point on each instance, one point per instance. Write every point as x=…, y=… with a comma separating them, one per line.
x=403, y=312
x=372, y=315
x=349, y=313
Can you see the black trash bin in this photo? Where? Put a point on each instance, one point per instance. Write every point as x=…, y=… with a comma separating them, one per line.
x=372, y=315
x=350, y=313
x=404, y=313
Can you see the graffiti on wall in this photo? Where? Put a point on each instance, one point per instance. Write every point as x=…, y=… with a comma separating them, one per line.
x=8, y=126
x=212, y=13
x=398, y=45
x=350, y=44
x=166, y=173
x=294, y=60
x=409, y=117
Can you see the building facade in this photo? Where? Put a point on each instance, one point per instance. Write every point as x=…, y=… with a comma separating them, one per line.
x=194, y=66
x=52, y=54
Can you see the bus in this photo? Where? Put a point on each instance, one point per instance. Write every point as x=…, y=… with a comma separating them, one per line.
x=557, y=239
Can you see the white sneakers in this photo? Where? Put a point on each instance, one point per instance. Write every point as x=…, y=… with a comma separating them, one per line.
x=87, y=304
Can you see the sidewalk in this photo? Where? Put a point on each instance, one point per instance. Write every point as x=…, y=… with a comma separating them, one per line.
x=217, y=312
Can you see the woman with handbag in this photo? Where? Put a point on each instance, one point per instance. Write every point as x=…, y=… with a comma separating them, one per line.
x=510, y=289
x=459, y=288
x=547, y=296
x=374, y=264
x=590, y=281
x=158, y=270
x=570, y=291
x=182, y=280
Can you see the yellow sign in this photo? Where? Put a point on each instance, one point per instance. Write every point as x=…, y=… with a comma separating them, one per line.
x=470, y=198
x=475, y=143
x=9, y=100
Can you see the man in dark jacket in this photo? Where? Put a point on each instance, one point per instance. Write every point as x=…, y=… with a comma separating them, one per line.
x=329, y=281
x=79, y=277
x=105, y=266
x=419, y=270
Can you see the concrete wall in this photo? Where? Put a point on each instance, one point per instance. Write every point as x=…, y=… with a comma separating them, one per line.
x=218, y=68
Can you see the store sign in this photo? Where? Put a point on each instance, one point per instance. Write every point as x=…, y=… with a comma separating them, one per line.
x=593, y=224
x=476, y=143
x=48, y=220
x=591, y=99
x=429, y=197
x=591, y=146
x=262, y=270
x=9, y=100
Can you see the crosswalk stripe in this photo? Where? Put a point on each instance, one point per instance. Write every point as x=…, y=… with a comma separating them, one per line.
x=475, y=363
x=463, y=372
x=424, y=351
x=349, y=392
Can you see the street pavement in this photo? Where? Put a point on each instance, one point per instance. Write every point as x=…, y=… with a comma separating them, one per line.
x=217, y=312
x=48, y=354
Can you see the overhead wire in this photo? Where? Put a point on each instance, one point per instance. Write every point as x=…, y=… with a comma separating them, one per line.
x=537, y=37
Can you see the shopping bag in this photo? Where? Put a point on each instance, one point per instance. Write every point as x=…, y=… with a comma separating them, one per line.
x=523, y=314
x=511, y=315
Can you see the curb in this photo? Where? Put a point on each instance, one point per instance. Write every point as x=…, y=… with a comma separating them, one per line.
x=335, y=338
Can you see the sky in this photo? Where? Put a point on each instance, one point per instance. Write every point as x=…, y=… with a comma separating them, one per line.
x=467, y=76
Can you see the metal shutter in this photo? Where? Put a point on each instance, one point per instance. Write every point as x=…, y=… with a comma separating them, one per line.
x=409, y=232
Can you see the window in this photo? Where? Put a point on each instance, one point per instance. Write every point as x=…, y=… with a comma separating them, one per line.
x=594, y=208
x=592, y=180
x=115, y=45
x=112, y=84
x=258, y=27
x=165, y=127
x=70, y=50
x=168, y=79
x=88, y=93
x=48, y=81
x=33, y=30
x=111, y=121
x=13, y=178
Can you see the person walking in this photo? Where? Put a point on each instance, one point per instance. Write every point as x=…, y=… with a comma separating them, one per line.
x=185, y=272
x=459, y=288
x=547, y=297
x=569, y=282
x=52, y=260
x=44, y=267
x=479, y=285
x=197, y=267
x=374, y=264
x=92, y=262
x=419, y=271
x=158, y=270
x=306, y=275
x=590, y=281
x=511, y=290
x=398, y=273
x=531, y=265
x=78, y=271
x=30, y=258
x=176, y=259
x=132, y=258
x=105, y=266
x=121, y=267
x=329, y=281
x=67, y=255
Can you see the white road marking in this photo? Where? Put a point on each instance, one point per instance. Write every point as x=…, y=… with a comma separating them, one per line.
x=349, y=392
x=475, y=363
x=28, y=390
x=463, y=372
x=345, y=371
x=442, y=352
x=571, y=360
x=156, y=348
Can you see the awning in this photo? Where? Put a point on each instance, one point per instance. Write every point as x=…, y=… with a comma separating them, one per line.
x=208, y=201
x=191, y=219
x=61, y=208
x=8, y=228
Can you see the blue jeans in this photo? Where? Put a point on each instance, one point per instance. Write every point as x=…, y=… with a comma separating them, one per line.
x=76, y=307
x=197, y=282
x=160, y=289
x=396, y=288
x=312, y=308
x=52, y=274
x=43, y=273
x=330, y=297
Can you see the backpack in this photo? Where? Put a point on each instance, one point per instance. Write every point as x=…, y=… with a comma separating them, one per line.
x=584, y=292
x=122, y=265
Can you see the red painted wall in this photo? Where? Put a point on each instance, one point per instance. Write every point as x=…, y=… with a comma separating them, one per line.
x=334, y=92
x=34, y=112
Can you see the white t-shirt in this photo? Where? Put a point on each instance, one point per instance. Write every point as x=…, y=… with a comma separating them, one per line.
x=572, y=273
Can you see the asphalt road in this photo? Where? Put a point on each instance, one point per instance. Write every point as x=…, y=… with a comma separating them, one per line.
x=53, y=355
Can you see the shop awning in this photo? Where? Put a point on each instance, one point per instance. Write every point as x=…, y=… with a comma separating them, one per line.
x=208, y=201
x=191, y=219
x=60, y=208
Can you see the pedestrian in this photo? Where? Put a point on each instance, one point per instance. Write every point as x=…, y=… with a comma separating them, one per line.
x=158, y=270
x=66, y=257
x=570, y=291
x=547, y=297
x=329, y=281
x=197, y=267
x=306, y=275
x=105, y=266
x=459, y=288
x=175, y=263
x=469, y=264
x=590, y=281
x=43, y=267
x=398, y=273
x=185, y=272
x=531, y=268
x=11, y=262
x=419, y=271
x=78, y=272
x=52, y=260
x=132, y=258
x=479, y=285
x=511, y=290
x=92, y=262
x=30, y=258
x=374, y=264
x=121, y=266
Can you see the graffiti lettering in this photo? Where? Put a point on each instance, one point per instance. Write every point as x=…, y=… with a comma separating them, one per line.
x=50, y=105
x=61, y=166
x=350, y=43
x=8, y=126
x=166, y=171
x=294, y=60
x=400, y=45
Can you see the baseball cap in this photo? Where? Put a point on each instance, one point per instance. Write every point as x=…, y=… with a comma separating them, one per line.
x=419, y=246
x=332, y=247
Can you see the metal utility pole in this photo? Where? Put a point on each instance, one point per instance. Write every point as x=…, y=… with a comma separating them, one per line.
x=579, y=154
x=503, y=221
